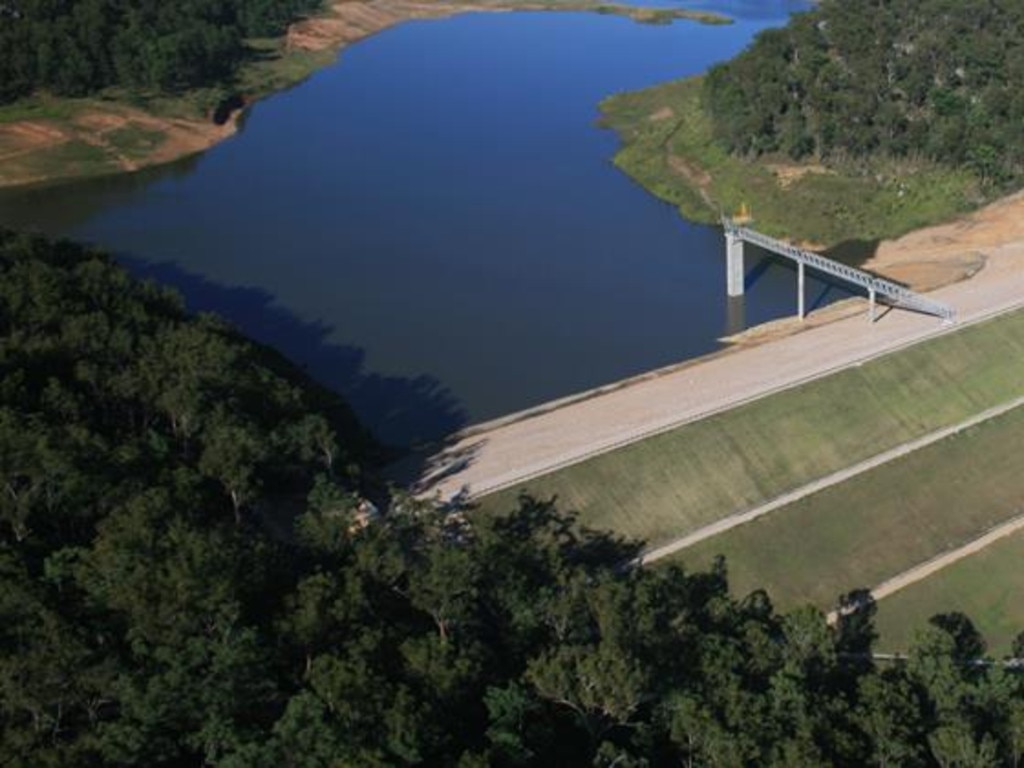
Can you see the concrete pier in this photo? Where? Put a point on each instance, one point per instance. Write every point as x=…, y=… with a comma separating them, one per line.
x=800, y=308
x=735, y=315
x=734, y=266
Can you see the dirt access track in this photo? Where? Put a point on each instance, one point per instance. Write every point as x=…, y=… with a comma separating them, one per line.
x=513, y=450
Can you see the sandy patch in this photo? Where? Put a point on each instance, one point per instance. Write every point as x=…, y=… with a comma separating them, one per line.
x=665, y=113
x=28, y=142
x=974, y=236
x=929, y=274
x=787, y=175
x=100, y=121
x=23, y=137
x=353, y=21
x=696, y=177
x=940, y=255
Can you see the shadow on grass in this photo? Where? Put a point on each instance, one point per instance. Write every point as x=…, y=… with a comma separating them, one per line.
x=399, y=411
x=854, y=253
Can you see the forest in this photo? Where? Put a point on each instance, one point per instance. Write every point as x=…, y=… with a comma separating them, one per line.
x=78, y=47
x=188, y=577
x=853, y=80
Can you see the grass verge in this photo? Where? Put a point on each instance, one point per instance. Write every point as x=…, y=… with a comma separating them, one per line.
x=667, y=147
x=38, y=108
x=669, y=485
x=986, y=586
x=880, y=524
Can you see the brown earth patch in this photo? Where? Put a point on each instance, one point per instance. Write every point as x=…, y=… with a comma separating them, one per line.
x=24, y=145
x=665, y=113
x=352, y=21
x=935, y=273
x=943, y=254
x=20, y=138
x=787, y=175
x=696, y=177
x=100, y=121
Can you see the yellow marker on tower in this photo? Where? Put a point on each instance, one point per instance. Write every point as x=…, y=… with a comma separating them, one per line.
x=743, y=215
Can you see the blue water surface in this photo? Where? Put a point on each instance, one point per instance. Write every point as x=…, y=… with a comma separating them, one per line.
x=433, y=225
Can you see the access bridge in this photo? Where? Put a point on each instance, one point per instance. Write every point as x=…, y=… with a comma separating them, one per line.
x=878, y=289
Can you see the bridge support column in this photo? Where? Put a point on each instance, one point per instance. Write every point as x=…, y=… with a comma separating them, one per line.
x=800, y=309
x=733, y=265
x=735, y=315
x=871, y=305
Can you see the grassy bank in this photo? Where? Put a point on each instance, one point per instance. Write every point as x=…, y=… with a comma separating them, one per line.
x=667, y=147
x=879, y=524
x=671, y=484
x=986, y=586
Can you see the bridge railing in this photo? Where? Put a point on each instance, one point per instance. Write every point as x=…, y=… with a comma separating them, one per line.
x=896, y=294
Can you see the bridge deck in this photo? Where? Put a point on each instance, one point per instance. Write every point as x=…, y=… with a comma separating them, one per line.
x=895, y=293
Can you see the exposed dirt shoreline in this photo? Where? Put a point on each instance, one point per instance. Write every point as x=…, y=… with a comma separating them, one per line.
x=47, y=150
x=44, y=150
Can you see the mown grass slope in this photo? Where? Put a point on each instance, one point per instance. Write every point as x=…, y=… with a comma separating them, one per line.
x=879, y=524
x=674, y=483
x=986, y=586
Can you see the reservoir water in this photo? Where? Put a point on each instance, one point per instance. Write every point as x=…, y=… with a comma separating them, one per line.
x=433, y=227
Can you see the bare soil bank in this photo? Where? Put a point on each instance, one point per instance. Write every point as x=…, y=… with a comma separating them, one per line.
x=100, y=137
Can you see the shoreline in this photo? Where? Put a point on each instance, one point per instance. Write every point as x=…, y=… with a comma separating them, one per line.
x=668, y=147
x=504, y=452
x=969, y=240
x=53, y=141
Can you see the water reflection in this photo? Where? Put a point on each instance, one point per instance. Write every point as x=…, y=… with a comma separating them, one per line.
x=436, y=219
x=399, y=410
x=66, y=208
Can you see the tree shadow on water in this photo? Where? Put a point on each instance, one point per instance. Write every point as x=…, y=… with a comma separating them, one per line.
x=399, y=411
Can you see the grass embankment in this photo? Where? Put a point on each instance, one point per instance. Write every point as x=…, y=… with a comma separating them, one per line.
x=986, y=586
x=672, y=484
x=45, y=139
x=668, y=148
x=879, y=524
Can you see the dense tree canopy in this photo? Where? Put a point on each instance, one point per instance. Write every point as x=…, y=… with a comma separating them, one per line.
x=856, y=78
x=75, y=47
x=158, y=607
